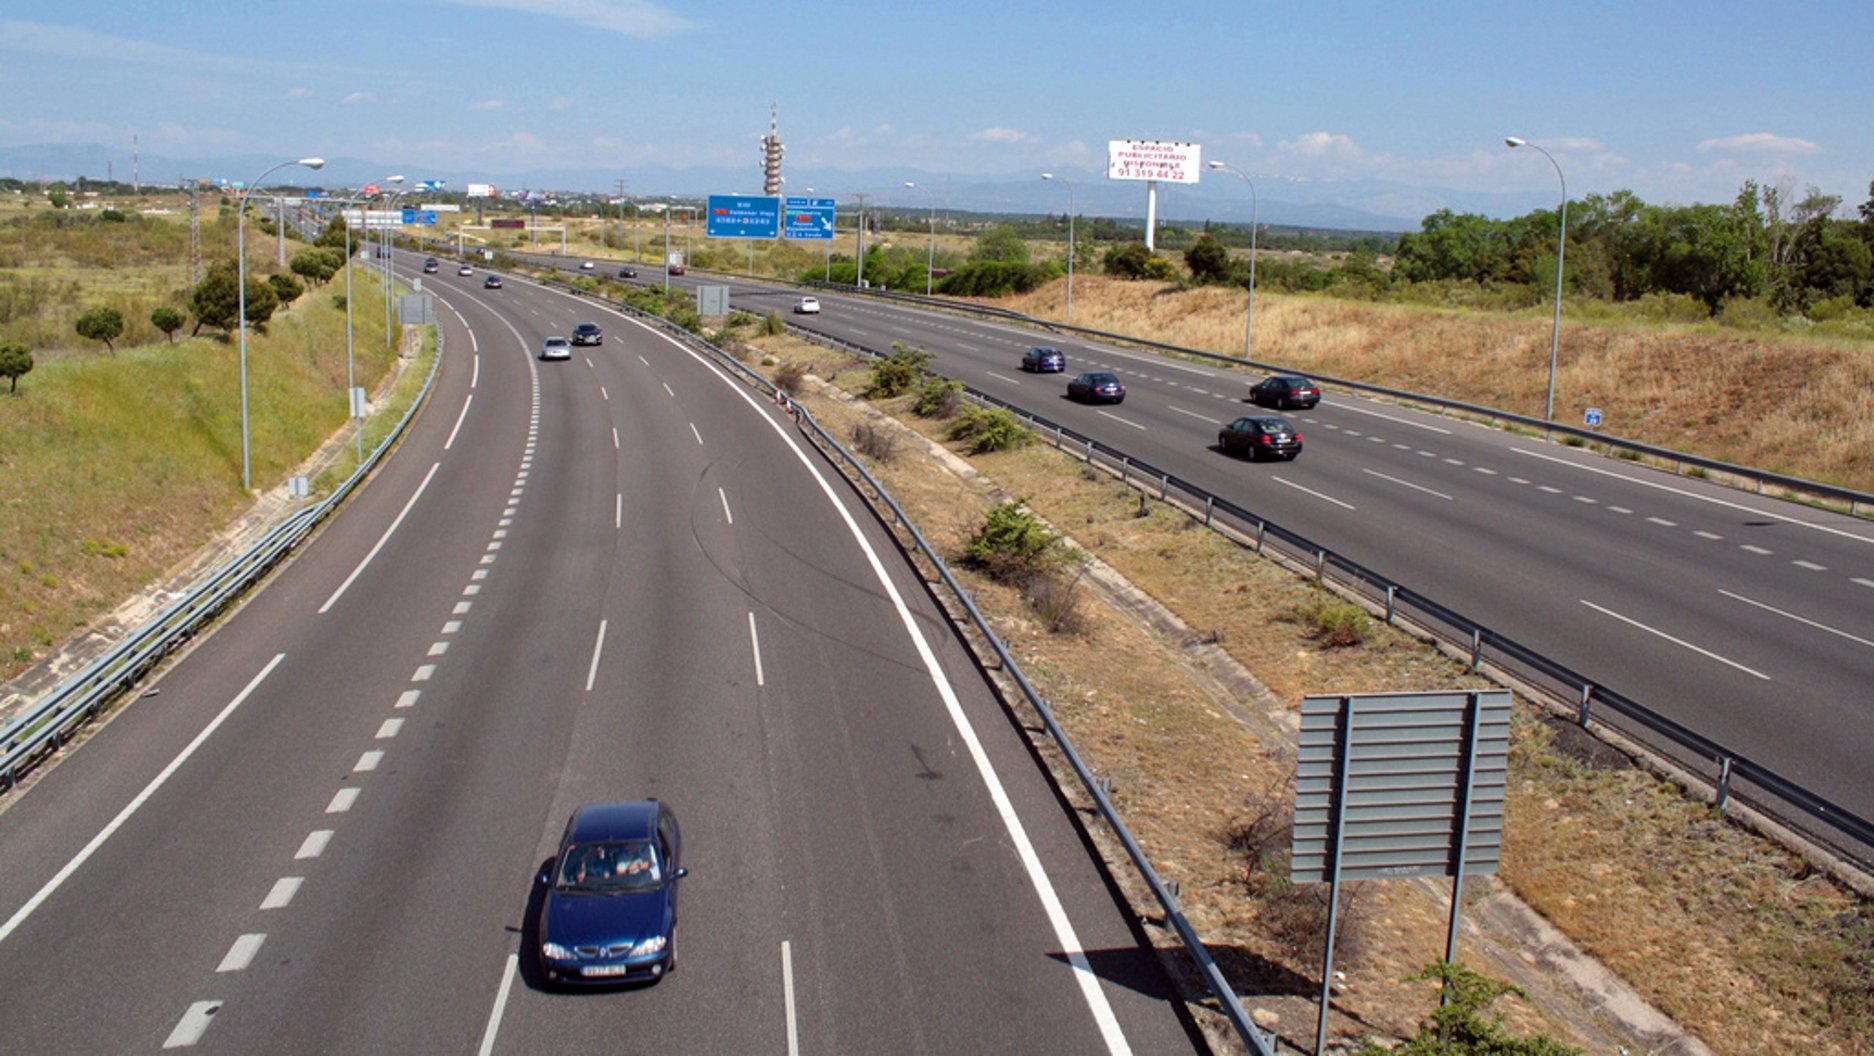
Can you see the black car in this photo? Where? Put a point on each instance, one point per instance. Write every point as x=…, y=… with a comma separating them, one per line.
x=1042, y=359
x=627, y=273
x=609, y=912
x=1097, y=386
x=492, y=282
x=588, y=334
x=1285, y=390
x=1260, y=434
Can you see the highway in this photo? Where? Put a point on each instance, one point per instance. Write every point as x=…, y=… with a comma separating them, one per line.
x=613, y=577
x=1748, y=619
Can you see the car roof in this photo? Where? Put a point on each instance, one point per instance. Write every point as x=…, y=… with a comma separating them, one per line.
x=586, y=326
x=556, y=340
x=1264, y=421
x=1044, y=348
x=629, y=820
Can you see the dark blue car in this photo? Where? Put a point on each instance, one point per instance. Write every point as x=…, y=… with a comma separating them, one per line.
x=1043, y=359
x=609, y=914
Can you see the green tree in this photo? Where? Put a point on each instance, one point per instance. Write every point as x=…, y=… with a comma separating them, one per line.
x=215, y=300
x=15, y=361
x=1461, y=246
x=1001, y=244
x=897, y=373
x=1129, y=261
x=1208, y=260
x=58, y=199
x=317, y=264
x=101, y=324
x=168, y=320
x=285, y=287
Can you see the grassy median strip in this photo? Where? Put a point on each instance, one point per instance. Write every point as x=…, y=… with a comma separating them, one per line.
x=1736, y=939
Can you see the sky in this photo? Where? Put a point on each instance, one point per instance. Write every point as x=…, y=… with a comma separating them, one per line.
x=1679, y=102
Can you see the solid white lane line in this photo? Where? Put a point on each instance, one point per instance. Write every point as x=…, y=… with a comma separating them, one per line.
x=725, y=505
x=1676, y=641
x=699, y=436
x=459, y=419
x=282, y=893
x=1193, y=414
x=1066, y=938
x=381, y=540
x=315, y=844
x=787, y=998
x=193, y=1025
x=598, y=647
x=501, y=1004
x=1408, y=484
x=1686, y=493
x=1311, y=491
x=58, y=879
x=754, y=641
x=1806, y=622
x=241, y=954
x=389, y=728
x=368, y=761
x=1121, y=421
x=342, y=800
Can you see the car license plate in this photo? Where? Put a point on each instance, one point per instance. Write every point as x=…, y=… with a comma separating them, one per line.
x=604, y=970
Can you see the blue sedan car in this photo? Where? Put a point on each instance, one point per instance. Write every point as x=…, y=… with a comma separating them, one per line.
x=609, y=914
x=1043, y=359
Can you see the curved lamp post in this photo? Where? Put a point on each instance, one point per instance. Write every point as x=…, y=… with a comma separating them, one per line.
x=1070, y=240
x=930, y=256
x=1249, y=322
x=1561, y=246
x=240, y=281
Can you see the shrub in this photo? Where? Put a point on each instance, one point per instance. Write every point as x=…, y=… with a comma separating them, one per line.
x=1012, y=545
x=990, y=430
x=1128, y=261
x=1056, y=600
x=1294, y=917
x=876, y=442
x=101, y=324
x=168, y=320
x=15, y=362
x=938, y=398
x=1335, y=622
x=1454, y=1029
x=897, y=373
x=788, y=376
x=772, y=326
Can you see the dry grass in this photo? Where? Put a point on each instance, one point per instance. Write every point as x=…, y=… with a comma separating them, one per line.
x=1795, y=405
x=1677, y=901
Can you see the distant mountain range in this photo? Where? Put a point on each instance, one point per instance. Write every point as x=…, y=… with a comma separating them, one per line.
x=1345, y=205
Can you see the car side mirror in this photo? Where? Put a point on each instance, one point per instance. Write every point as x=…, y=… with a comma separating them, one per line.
x=542, y=878
x=682, y=871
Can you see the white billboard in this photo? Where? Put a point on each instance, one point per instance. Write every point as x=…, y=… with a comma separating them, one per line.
x=481, y=190
x=1153, y=159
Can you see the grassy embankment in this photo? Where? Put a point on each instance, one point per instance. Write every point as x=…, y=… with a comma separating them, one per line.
x=1674, y=899
x=117, y=467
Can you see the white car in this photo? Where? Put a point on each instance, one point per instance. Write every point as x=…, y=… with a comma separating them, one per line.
x=587, y=266
x=465, y=270
x=807, y=306
x=556, y=348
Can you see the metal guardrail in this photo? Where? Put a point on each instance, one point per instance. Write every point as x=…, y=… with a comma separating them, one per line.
x=1165, y=893
x=40, y=731
x=1724, y=772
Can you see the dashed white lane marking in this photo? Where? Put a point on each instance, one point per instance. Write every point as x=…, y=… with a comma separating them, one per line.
x=1805, y=621
x=667, y=389
x=423, y=674
x=1409, y=484
x=598, y=647
x=1810, y=566
x=1662, y=522
x=1676, y=641
x=730, y=517
x=1121, y=421
x=1193, y=414
x=65, y=872
x=1311, y=491
x=241, y=954
x=1702, y=534
x=193, y=1025
x=389, y=728
x=693, y=432
x=787, y=998
x=1488, y=472
x=1357, y=409
x=368, y=761
x=1546, y=488
x=618, y=510
x=472, y=589
x=479, y=574
x=438, y=648
x=314, y=845
x=1750, y=548
x=603, y=394
x=754, y=641
x=282, y=893
x=644, y=361
x=615, y=437
x=408, y=698
x=1858, y=581
x=381, y=540
x=451, y=626
x=1587, y=500
x=462, y=607
x=501, y=1000
x=342, y=801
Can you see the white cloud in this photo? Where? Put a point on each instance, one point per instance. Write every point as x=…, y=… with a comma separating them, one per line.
x=356, y=98
x=299, y=93
x=518, y=143
x=1322, y=144
x=1002, y=135
x=486, y=104
x=846, y=134
x=631, y=18
x=93, y=48
x=1761, y=142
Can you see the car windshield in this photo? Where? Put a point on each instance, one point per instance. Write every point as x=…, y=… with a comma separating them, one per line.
x=628, y=865
x=1276, y=425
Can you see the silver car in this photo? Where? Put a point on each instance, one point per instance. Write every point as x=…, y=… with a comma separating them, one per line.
x=556, y=348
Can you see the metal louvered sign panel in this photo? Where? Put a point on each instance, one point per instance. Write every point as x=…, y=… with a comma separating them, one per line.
x=1384, y=784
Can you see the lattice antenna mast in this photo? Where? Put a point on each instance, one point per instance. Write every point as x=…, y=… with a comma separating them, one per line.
x=195, y=234
x=772, y=151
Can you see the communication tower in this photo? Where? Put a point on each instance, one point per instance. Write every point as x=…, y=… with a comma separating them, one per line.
x=772, y=151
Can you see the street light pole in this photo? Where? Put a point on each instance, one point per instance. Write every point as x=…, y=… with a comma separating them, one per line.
x=240, y=280
x=858, y=280
x=1561, y=247
x=1249, y=323
x=1071, y=210
x=930, y=256
x=390, y=206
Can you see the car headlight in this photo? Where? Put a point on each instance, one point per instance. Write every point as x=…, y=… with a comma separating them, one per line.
x=553, y=951
x=647, y=947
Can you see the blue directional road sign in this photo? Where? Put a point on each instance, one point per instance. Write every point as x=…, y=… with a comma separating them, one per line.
x=743, y=216
x=808, y=218
x=419, y=216
x=1592, y=417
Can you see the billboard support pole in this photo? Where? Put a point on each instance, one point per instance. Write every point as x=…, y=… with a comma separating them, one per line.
x=1151, y=215
x=1333, y=857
